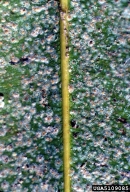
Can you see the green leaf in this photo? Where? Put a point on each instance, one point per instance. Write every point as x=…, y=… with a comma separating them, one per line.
x=30, y=131
x=100, y=97
x=64, y=94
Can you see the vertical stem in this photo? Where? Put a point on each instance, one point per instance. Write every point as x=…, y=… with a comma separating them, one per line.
x=65, y=92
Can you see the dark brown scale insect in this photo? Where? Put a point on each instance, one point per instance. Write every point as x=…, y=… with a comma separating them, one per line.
x=123, y=132
x=122, y=120
x=45, y=105
x=27, y=165
x=82, y=164
x=43, y=93
x=114, y=100
x=24, y=59
x=73, y=123
x=75, y=134
x=1, y=94
x=105, y=139
x=103, y=165
x=13, y=63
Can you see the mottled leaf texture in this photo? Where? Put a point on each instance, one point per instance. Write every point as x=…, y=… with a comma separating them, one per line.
x=100, y=88
x=30, y=98
x=31, y=109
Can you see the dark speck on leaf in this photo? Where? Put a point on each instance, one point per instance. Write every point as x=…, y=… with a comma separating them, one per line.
x=73, y=98
x=105, y=139
x=90, y=42
x=43, y=93
x=27, y=165
x=114, y=100
x=31, y=85
x=1, y=94
x=73, y=123
x=46, y=105
x=123, y=132
x=18, y=168
x=103, y=165
x=24, y=59
x=12, y=12
x=82, y=164
x=75, y=134
x=122, y=120
x=13, y=63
